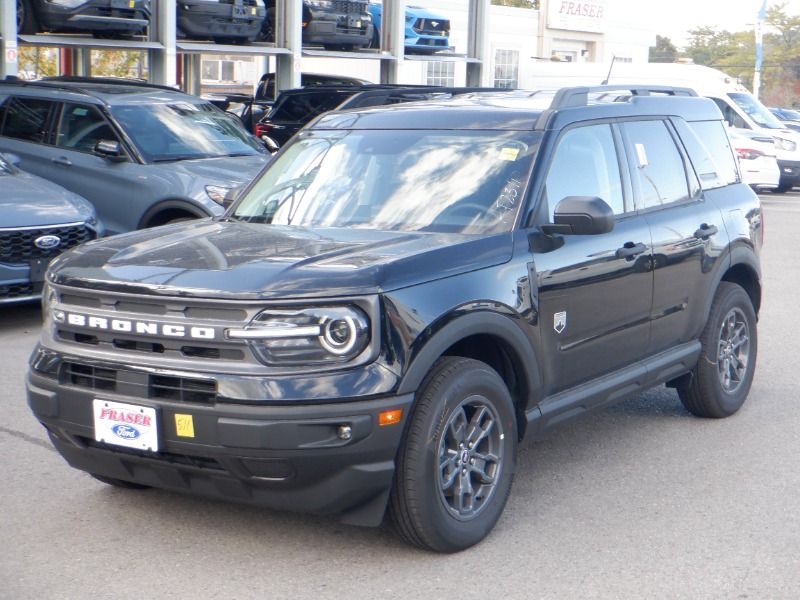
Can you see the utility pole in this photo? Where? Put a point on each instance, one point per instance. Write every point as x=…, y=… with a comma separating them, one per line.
x=759, y=47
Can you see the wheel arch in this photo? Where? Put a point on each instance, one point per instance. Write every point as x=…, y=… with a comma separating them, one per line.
x=163, y=210
x=744, y=271
x=491, y=338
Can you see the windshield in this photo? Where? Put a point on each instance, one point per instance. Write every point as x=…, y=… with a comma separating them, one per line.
x=468, y=182
x=757, y=111
x=184, y=130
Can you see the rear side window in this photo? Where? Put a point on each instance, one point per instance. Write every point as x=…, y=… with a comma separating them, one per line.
x=26, y=119
x=657, y=167
x=710, y=151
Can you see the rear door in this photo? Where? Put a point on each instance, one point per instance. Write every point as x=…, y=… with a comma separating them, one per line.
x=595, y=291
x=687, y=230
x=26, y=131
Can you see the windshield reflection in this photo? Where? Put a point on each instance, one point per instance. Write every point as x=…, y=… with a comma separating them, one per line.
x=184, y=130
x=444, y=181
x=756, y=110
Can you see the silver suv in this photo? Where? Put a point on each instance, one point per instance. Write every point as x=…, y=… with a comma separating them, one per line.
x=144, y=155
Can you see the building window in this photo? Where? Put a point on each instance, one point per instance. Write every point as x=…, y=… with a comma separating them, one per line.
x=440, y=73
x=506, y=68
x=623, y=59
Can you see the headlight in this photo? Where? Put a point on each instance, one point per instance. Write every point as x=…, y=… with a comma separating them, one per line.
x=68, y=3
x=785, y=144
x=49, y=300
x=217, y=193
x=309, y=336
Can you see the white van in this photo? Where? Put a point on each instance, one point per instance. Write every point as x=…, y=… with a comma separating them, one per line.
x=739, y=107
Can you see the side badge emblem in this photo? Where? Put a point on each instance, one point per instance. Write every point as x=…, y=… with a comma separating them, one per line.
x=560, y=321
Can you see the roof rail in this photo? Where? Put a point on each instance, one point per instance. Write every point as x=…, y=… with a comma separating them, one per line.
x=579, y=96
x=401, y=93
x=109, y=81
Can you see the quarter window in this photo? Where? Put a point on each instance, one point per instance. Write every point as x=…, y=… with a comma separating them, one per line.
x=81, y=127
x=26, y=119
x=585, y=164
x=658, y=169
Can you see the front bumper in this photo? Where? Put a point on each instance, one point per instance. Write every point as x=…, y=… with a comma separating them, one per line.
x=123, y=16
x=338, y=29
x=790, y=173
x=287, y=457
x=205, y=20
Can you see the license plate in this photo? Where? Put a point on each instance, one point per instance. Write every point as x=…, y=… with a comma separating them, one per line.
x=126, y=425
x=38, y=268
x=239, y=12
x=123, y=4
x=354, y=22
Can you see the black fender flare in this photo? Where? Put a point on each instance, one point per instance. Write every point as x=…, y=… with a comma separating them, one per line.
x=173, y=204
x=739, y=255
x=464, y=326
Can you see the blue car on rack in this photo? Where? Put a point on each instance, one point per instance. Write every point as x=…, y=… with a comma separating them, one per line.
x=425, y=32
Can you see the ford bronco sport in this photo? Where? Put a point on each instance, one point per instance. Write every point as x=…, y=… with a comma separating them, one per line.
x=401, y=297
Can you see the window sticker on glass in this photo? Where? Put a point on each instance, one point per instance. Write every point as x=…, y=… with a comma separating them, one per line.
x=508, y=153
x=641, y=155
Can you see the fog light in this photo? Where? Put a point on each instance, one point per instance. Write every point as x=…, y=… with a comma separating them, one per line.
x=345, y=432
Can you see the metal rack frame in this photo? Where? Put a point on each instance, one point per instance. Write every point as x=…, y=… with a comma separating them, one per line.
x=163, y=48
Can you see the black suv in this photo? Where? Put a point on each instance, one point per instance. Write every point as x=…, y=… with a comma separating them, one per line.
x=105, y=17
x=400, y=297
x=335, y=24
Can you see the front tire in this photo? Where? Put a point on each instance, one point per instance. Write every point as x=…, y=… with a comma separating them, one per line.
x=720, y=381
x=454, y=470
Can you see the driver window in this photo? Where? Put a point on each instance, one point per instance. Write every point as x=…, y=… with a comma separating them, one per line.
x=81, y=127
x=585, y=164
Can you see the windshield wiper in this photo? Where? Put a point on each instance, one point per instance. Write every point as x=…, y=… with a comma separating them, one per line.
x=177, y=157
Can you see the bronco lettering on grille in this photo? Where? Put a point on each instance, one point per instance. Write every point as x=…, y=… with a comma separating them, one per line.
x=149, y=328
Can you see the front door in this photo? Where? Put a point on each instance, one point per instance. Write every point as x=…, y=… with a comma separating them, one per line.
x=594, y=291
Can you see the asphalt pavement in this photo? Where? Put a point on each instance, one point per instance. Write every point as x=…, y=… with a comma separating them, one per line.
x=640, y=501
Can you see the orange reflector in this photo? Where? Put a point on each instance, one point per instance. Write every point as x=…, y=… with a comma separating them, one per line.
x=390, y=417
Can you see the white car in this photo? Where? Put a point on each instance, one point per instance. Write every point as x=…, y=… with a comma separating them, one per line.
x=757, y=162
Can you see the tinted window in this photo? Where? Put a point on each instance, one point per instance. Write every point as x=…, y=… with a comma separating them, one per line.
x=708, y=147
x=81, y=127
x=304, y=107
x=585, y=164
x=26, y=119
x=731, y=116
x=658, y=170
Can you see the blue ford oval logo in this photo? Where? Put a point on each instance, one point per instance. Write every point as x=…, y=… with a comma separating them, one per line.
x=126, y=432
x=47, y=242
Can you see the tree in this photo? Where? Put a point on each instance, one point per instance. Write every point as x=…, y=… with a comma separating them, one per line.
x=37, y=62
x=663, y=51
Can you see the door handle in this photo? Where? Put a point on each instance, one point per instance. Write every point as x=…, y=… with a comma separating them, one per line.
x=705, y=231
x=62, y=160
x=629, y=250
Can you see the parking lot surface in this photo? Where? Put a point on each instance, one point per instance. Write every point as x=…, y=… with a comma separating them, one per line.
x=640, y=501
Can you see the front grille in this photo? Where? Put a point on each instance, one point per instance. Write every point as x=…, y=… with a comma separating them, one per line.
x=182, y=389
x=19, y=290
x=87, y=376
x=17, y=245
x=143, y=385
x=432, y=26
x=349, y=6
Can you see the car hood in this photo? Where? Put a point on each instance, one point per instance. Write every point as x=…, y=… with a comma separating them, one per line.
x=230, y=171
x=424, y=13
x=228, y=259
x=30, y=201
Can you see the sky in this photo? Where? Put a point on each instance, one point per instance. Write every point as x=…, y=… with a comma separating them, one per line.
x=674, y=18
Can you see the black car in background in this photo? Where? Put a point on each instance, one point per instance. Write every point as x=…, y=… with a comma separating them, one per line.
x=106, y=17
x=294, y=108
x=334, y=24
x=224, y=21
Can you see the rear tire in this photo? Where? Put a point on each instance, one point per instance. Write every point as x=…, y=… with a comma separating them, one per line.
x=455, y=468
x=720, y=381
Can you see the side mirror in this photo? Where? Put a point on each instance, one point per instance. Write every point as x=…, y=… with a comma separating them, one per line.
x=12, y=158
x=110, y=150
x=271, y=144
x=581, y=215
